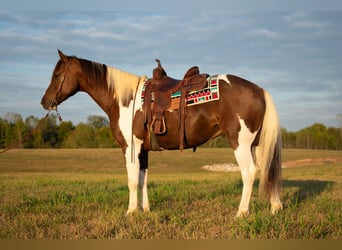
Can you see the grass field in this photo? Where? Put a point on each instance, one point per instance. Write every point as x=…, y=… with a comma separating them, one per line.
x=82, y=193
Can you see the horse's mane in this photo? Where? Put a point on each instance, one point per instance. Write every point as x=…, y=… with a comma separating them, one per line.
x=121, y=84
x=95, y=72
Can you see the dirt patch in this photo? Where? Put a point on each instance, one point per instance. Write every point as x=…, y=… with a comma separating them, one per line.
x=304, y=162
x=226, y=167
x=230, y=167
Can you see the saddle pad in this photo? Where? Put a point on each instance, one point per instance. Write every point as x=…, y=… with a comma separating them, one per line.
x=208, y=94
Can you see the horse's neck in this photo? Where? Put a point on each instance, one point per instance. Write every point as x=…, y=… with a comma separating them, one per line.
x=103, y=99
x=97, y=88
x=112, y=89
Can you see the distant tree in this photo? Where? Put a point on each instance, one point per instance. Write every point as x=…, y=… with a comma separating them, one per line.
x=63, y=131
x=334, y=139
x=104, y=138
x=81, y=137
x=97, y=122
x=12, y=130
x=13, y=118
x=318, y=136
x=4, y=133
x=288, y=138
x=339, y=118
x=102, y=133
x=30, y=123
x=49, y=132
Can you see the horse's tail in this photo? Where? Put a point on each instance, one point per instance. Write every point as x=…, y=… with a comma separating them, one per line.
x=268, y=152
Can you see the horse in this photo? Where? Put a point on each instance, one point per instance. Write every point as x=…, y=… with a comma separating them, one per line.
x=245, y=113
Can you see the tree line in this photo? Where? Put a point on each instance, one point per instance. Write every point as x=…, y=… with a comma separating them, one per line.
x=317, y=136
x=95, y=133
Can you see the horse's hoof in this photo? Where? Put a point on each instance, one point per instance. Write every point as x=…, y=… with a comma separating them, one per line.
x=275, y=207
x=242, y=214
x=146, y=209
x=130, y=211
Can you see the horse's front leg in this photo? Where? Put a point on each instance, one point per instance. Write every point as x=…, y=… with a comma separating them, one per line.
x=136, y=164
x=133, y=181
x=133, y=166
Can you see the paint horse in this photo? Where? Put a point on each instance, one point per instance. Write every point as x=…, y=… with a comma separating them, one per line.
x=244, y=113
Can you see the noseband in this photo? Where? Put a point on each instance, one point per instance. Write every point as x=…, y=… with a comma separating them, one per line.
x=54, y=102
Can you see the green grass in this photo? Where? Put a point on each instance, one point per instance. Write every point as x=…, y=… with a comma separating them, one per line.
x=83, y=194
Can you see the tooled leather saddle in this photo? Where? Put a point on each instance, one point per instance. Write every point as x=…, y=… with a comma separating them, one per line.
x=157, y=100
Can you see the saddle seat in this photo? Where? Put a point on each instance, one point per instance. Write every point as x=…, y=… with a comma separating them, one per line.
x=161, y=86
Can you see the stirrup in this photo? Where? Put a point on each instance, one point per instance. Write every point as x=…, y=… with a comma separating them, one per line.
x=162, y=125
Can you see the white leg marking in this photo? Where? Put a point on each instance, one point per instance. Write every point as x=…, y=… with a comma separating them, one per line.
x=132, y=158
x=132, y=165
x=245, y=161
x=133, y=191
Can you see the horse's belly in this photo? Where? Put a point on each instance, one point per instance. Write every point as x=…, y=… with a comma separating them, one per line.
x=199, y=128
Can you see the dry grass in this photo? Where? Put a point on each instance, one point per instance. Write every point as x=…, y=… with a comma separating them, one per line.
x=83, y=194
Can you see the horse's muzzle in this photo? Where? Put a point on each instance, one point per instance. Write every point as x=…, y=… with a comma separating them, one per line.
x=49, y=104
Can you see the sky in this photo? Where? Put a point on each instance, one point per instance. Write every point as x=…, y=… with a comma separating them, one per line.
x=295, y=54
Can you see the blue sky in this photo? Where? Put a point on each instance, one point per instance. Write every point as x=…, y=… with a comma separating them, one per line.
x=296, y=55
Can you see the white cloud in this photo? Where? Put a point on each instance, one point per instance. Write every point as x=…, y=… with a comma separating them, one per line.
x=310, y=24
x=265, y=32
x=304, y=20
x=296, y=15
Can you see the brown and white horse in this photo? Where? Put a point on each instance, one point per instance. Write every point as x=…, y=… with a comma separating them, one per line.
x=245, y=113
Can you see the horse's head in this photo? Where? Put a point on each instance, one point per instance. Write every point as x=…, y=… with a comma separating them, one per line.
x=64, y=82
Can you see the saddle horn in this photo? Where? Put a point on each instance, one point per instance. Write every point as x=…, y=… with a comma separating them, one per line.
x=159, y=72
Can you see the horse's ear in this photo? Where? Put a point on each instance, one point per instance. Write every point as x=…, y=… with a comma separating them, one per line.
x=61, y=55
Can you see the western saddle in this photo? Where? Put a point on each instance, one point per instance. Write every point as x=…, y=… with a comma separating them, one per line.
x=157, y=100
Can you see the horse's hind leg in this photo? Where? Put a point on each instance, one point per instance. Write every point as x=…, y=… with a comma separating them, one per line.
x=244, y=158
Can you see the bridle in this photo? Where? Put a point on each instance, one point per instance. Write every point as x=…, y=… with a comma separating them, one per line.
x=54, y=102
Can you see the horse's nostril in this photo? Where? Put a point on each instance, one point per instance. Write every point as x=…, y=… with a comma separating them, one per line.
x=45, y=103
x=42, y=102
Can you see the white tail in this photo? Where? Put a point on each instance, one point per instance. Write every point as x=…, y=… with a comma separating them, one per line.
x=268, y=152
